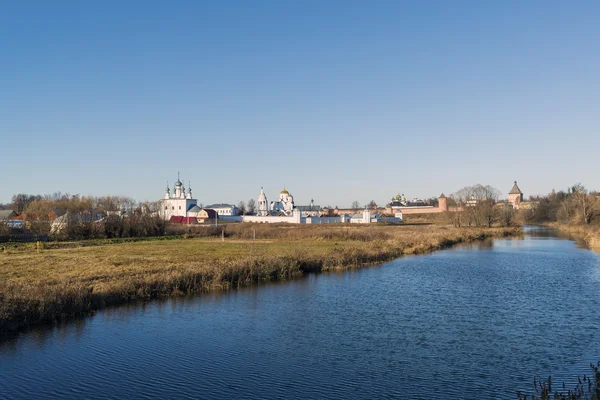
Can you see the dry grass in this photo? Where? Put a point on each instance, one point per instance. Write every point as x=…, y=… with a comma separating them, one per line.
x=589, y=233
x=66, y=280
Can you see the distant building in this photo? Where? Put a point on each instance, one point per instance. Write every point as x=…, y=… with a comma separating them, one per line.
x=362, y=218
x=416, y=206
x=284, y=206
x=7, y=214
x=85, y=217
x=177, y=204
x=207, y=216
x=224, y=209
x=263, y=204
x=471, y=202
x=398, y=201
x=398, y=215
x=443, y=202
x=515, y=196
x=311, y=210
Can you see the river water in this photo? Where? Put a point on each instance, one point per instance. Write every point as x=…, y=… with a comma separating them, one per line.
x=472, y=322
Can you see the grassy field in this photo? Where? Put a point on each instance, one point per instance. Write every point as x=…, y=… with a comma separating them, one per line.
x=70, y=279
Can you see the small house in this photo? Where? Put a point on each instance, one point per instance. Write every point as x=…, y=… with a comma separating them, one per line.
x=7, y=214
x=207, y=215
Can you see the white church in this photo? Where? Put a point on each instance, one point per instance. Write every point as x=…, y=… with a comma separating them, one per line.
x=179, y=203
x=282, y=208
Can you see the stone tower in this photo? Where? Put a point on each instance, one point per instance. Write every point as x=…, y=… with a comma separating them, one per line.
x=515, y=196
x=443, y=202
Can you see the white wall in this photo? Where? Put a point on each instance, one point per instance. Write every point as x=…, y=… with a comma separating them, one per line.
x=231, y=218
x=324, y=220
x=175, y=207
x=270, y=219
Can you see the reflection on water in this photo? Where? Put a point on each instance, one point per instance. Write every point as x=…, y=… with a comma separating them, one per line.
x=550, y=233
x=476, y=321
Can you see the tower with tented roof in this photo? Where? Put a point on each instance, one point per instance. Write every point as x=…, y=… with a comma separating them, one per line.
x=515, y=196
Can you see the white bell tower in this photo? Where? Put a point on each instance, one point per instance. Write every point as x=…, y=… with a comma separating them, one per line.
x=263, y=207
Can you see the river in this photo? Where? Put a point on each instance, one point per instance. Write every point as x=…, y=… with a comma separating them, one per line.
x=472, y=322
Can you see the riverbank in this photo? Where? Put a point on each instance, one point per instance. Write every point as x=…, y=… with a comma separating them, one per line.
x=58, y=283
x=589, y=233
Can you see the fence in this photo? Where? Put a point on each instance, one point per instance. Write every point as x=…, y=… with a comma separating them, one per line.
x=23, y=237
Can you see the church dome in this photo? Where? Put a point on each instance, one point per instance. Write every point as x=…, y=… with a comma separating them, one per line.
x=285, y=192
x=178, y=183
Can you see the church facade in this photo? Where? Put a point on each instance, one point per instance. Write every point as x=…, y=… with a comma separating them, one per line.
x=283, y=207
x=179, y=203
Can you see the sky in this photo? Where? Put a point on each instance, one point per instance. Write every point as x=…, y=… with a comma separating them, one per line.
x=335, y=100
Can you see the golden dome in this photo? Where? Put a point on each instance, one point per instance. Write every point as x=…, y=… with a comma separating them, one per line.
x=285, y=192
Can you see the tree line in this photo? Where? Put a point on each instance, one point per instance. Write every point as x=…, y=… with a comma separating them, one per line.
x=122, y=216
x=576, y=205
x=480, y=205
x=43, y=204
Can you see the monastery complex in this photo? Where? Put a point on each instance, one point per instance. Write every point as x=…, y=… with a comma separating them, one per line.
x=181, y=207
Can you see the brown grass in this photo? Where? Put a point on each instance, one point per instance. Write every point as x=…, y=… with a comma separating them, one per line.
x=589, y=233
x=70, y=279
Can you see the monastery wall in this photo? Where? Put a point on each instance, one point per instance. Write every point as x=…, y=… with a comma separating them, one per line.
x=292, y=219
x=420, y=210
x=325, y=220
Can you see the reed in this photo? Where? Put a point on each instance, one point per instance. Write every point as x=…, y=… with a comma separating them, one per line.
x=588, y=388
x=589, y=233
x=77, y=278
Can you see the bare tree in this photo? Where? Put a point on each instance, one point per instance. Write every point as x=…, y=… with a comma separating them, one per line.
x=21, y=201
x=251, y=207
x=432, y=201
x=454, y=216
x=507, y=215
x=464, y=199
x=372, y=205
x=242, y=208
x=329, y=211
x=149, y=207
x=584, y=202
x=4, y=228
x=355, y=205
x=478, y=204
x=486, y=197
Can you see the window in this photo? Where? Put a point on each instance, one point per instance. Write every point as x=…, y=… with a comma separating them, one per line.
x=180, y=207
x=166, y=208
x=173, y=207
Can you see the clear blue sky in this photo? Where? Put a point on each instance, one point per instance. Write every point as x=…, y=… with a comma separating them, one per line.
x=337, y=100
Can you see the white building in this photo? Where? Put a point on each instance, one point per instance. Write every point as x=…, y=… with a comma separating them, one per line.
x=178, y=204
x=311, y=210
x=362, y=218
x=398, y=215
x=226, y=210
x=263, y=204
x=284, y=206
